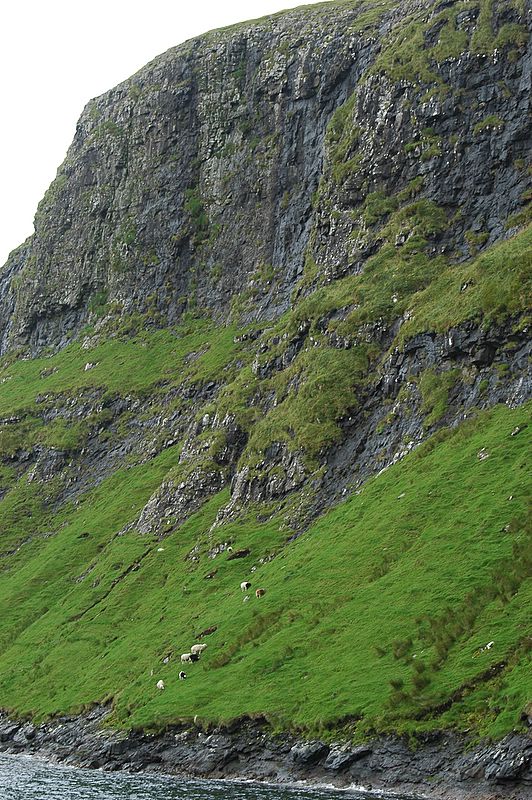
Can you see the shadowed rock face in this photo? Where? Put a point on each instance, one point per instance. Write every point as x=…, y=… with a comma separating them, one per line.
x=192, y=186
x=466, y=164
x=188, y=179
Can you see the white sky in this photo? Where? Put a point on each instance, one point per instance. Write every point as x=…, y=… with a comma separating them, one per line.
x=55, y=55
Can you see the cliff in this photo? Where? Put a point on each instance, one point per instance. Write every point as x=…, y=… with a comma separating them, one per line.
x=273, y=326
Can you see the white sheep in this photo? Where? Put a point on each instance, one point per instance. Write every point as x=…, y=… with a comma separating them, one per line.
x=196, y=649
x=160, y=685
x=245, y=586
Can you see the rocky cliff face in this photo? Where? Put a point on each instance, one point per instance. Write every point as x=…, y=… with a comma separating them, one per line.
x=275, y=262
x=188, y=182
x=248, y=170
x=196, y=181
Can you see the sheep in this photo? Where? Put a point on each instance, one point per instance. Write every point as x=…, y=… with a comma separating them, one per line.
x=483, y=649
x=196, y=649
x=160, y=685
x=182, y=675
x=207, y=632
x=245, y=586
x=186, y=658
x=260, y=592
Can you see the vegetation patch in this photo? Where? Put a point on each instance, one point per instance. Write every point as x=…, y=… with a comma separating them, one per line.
x=194, y=206
x=491, y=122
x=435, y=388
x=406, y=568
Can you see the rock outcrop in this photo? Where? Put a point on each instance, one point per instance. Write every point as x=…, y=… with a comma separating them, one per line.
x=439, y=765
x=207, y=179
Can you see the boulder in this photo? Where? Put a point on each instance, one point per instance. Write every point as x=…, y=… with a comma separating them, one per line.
x=308, y=753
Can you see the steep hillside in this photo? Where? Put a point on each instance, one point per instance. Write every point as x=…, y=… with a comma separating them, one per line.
x=273, y=325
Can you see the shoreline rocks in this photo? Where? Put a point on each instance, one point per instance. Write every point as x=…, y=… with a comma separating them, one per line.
x=442, y=767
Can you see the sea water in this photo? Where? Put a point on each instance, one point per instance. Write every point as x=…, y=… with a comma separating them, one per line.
x=27, y=778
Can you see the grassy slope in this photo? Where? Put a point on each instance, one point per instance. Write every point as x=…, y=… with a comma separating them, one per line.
x=498, y=284
x=376, y=617
x=121, y=365
x=344, y=600
x=421, y=549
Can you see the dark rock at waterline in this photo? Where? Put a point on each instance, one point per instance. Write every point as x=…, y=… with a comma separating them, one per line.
x=118, y=748
x=507, y=761
x=342, y=757
x=8, y=731
x=24, y=734
x=442, y=765
x=308, y=753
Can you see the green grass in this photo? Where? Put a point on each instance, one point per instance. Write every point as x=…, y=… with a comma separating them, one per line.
x=407, y=55
x=380, y=578
x=435, y=390
x=491, y=122
x=307, y=417
x=121, y=365
x=437, y=294
x=368, y=19
x=396, y=590
x=495, y=285
x=323, y=383
x=431, y=558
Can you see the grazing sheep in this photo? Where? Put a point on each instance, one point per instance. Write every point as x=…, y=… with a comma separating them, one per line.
x=196, y=649
x=207, y=632
x=260, y=592
x=160, y=685
x=189, y=658
x=245, y=586
x=182, y=675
